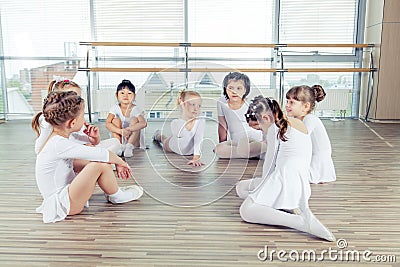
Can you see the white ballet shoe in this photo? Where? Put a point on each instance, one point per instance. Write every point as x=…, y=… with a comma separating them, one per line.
x=315, y=227
x=121, y=150
x=129, y=193
x=128, y=152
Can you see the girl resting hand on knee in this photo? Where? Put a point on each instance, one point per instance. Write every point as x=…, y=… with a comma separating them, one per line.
x=125, y=121
x=65, y=193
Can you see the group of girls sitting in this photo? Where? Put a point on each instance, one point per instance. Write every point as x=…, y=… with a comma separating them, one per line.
x=72, y=159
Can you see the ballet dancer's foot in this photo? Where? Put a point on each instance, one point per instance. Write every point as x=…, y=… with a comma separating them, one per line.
x=121, y=150
x=128, y=152
x=125, y=194
x=315, y=227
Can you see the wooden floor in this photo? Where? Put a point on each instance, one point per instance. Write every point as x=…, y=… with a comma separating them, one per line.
x=190, y=217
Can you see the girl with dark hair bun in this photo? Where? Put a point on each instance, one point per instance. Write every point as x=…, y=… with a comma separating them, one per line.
x=300, y=103
x=125, y=120
x=281, y=196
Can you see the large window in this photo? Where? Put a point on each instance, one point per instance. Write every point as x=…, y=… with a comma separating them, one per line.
x=230, y=21
x=40, y=40
x=140, y=21
x=43, y=28
x=39, y=36
x=316, y=22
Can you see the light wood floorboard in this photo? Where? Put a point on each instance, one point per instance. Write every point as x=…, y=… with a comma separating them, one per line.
x=191, y=218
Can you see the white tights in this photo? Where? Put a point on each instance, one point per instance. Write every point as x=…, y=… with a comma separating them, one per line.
x=256, y=213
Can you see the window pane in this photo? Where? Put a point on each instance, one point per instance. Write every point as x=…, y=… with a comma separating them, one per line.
x=43, y=27
x=338, y=86
x=139, y=21
x=329, y=80
x=27, y=88
x=230, y=21
x=316, y=21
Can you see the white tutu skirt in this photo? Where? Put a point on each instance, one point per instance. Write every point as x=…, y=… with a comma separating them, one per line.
x=285, y=188
x=322, y=169
x=56, y=207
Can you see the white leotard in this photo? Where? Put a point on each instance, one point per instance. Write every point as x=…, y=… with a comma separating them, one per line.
x=135, y=112
x=185, y=142
x=54, y=173
x=285, y=182
x=80, y=137
x=322, y=168
x=116, y=111
x=236, y=121
x=46, y=129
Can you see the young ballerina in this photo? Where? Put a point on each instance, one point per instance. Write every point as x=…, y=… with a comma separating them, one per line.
x=88, y=135
x=237, y=139
x=125, y=121
x=281, y=196
x=65, y=193
x=187, y=131
x=300, y=104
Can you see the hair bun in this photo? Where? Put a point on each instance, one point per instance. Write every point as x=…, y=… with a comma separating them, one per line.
x=319, y=92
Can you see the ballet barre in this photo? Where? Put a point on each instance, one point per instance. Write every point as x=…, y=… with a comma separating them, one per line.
x=223, y=45
x=279, y=49
x=97, y=69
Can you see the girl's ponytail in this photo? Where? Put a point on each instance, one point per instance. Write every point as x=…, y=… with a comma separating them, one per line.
x=281, y=120
x=36, y=124
x=51, y=86
x=260, y=105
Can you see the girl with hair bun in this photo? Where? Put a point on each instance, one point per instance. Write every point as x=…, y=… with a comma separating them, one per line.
x=300, y=103
x=187, y=131
x=125, y=120
x=281, y=196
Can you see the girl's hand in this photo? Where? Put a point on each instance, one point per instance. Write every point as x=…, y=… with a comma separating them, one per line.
x=91, y=130
x=125, y=132
x=195, y=161
x=123, y=171
x=93, y=133
x=254, y=125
